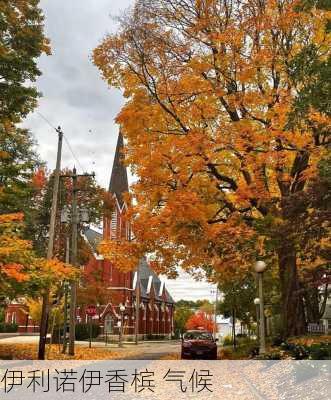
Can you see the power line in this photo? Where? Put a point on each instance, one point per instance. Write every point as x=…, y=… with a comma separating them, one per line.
x=65, y=138
x=47, y=121
x=73, y=154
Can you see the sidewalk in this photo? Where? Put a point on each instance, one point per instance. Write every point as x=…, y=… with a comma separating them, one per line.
x=29, y=339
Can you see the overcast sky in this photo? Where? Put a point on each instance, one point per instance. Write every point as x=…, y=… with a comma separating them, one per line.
x=76, y=98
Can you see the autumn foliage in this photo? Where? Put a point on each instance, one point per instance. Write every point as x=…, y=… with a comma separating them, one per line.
x=211, y=129
x=21, y=271
x=201, y=320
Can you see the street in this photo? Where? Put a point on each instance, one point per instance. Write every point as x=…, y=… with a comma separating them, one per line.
x=144, y=350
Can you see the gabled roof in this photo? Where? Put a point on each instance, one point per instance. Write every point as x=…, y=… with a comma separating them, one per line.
x=93, y=237
x=145, y=271
x=119, y=177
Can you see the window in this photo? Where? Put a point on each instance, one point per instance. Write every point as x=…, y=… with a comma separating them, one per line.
x=113, y=225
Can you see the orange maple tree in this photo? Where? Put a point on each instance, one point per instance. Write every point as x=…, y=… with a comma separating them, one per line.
x=21, y=271
x=201, y=320
x=209, y=93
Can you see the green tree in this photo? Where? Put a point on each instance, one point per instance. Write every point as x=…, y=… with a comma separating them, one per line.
x=182, y=315
x=19, y=163
x=191, y=303
x=89, y=197
x=238, y=297
x=22, y=41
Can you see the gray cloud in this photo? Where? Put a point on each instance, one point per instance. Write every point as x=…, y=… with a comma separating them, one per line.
x=76, y=98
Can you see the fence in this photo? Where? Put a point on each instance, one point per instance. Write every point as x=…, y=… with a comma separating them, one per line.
x=316, y=329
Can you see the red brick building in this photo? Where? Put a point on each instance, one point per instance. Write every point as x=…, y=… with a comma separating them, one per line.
x=156, y=304
x=18, y=313
x=156, y=308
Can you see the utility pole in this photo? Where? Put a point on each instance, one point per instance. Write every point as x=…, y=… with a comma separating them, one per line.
x=137, y=305
x=73, y=260
x=215, y=312
x=65, y=324
x=260, y=267
x=262, y=320
x=51, y=235
x=73, y=288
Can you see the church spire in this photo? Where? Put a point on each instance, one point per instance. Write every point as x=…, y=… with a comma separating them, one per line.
x=119, y=178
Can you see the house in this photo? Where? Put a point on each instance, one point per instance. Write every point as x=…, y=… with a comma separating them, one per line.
x=326, y=319
x=224, y=327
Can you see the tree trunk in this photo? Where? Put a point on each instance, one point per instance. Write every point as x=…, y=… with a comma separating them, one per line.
x=293, y=315
x=314, y=298
x=234, y=341
x=312, y=303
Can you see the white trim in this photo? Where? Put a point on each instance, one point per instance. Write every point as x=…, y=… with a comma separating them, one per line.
x=112, y=309
x=134, y=283
x=149, y=285
x=113, y=224
x=161, y=288
x=117, y=202
x=124, y=206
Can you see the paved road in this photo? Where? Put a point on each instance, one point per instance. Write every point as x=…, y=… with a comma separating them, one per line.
x=155, y=350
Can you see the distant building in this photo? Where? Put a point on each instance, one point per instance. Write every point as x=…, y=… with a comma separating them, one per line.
x=224, y=327
x=18, y=313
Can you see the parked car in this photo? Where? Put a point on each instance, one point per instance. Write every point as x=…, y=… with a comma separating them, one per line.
x=199, y=344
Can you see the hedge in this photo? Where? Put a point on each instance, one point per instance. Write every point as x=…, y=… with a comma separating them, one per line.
x=83, y=331
x=8, y=328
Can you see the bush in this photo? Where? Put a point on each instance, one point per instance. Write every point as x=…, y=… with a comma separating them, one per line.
x=277, y=340
x=274, y=355
x=155, y=337
x=8, y=328
x=83, y=331
x=316, y=351
x=227, y=341
x=320, y=351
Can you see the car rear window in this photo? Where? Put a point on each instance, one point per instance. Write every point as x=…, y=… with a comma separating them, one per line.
x=198, y=336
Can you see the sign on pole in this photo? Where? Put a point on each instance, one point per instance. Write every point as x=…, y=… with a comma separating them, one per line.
x=91, y=310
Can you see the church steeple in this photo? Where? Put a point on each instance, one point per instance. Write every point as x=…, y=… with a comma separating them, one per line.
x=119, y=177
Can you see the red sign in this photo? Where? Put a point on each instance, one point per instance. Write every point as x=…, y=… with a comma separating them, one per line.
x=91, y=310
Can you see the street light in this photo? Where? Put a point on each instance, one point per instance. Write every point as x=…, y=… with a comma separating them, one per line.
x=215, y=291
x=260, y=267
x=122, y=309
x=257, y=303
